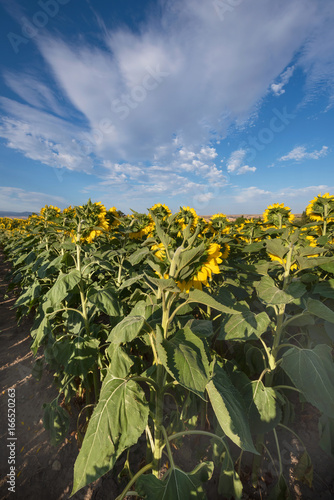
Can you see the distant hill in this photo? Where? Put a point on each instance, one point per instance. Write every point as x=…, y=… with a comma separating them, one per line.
x=19, y=215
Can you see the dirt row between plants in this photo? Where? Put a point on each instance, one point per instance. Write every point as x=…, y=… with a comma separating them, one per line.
x=44, y=472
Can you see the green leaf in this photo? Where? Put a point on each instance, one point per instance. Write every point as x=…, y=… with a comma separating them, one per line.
x=312, y=372
x=328, y=267
x=230, y=409
x=229, y=481
x=118, y=421
x=39, y=333
x=201, y=327
x=325, y=289
x=127, y=283
x=62, y=287
x=138, y=256
x=120, y=362
x=56, y=420
x=127, y=330
x=163, y=284
x=187, y=361
x=264, y=411
x=201, y=297
x=77, y=355
x=244, y=326
x=105, y=300
x=277, y=247
x=320, y=310
x=178, y=485
x=269, y=293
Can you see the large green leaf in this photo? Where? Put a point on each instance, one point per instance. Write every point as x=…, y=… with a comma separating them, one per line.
x=118, y=421
x=178, y=485
x=105, y=300
x=186, y=360
x=201, y=297
x=269, y=293
x=120, y=362
x=277, y=247
x=56, y=420
x=325, y=289
x=127, y=330
x=244, y=326
x=230, y=409
x=77, y=355
x=38, y=334
x=264, y=411
x=319, y=309
x=64, y=284
x=312, y=372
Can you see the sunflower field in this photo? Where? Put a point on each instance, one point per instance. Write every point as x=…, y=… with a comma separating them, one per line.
x=170, y=325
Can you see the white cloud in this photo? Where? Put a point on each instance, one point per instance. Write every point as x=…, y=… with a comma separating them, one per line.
x=297, y=198
x=234, y=163
x=19, y=200
x=186, y=75
x=277, y=88
x=300, y=153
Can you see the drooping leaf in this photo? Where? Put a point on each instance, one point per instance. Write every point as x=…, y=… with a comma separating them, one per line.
x=325, y=289
x=312, y=372
x=178, y=485
x=320, y=310
x=244, y=326
x=118, y=421
x=230, y=410
x=64, y=284
x=38, y=334
x=201, y=297
x=56, y=420
x=264, y=411
x=127, y=330
x=269, y=293
x=186, y=360
x=229, y=484
x=120, y=362
x=77, y=355
x=105, y=300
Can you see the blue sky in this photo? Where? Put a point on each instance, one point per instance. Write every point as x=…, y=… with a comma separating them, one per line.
x=222, y=105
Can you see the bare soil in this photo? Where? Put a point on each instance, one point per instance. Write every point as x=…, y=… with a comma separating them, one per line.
x=44, y=472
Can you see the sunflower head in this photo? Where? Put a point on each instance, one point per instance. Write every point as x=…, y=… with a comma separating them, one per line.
x=277, y=215
x=161, y=211
x=321, y=208
x=185, y=216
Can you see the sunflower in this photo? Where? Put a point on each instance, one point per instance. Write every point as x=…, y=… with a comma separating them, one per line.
x=204, y=273
x=161, y=211
x=321, y=208
x=159, y=251
x=187, y=215
x=274, y=257
x=277, y=215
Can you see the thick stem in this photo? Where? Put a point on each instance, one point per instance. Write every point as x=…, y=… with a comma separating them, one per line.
x=158, y=421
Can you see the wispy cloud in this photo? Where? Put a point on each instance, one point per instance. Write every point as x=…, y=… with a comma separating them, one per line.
x=300, y=153
x=117, y=107
x=20, y=200
x=235, y=163
x=278, y=88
